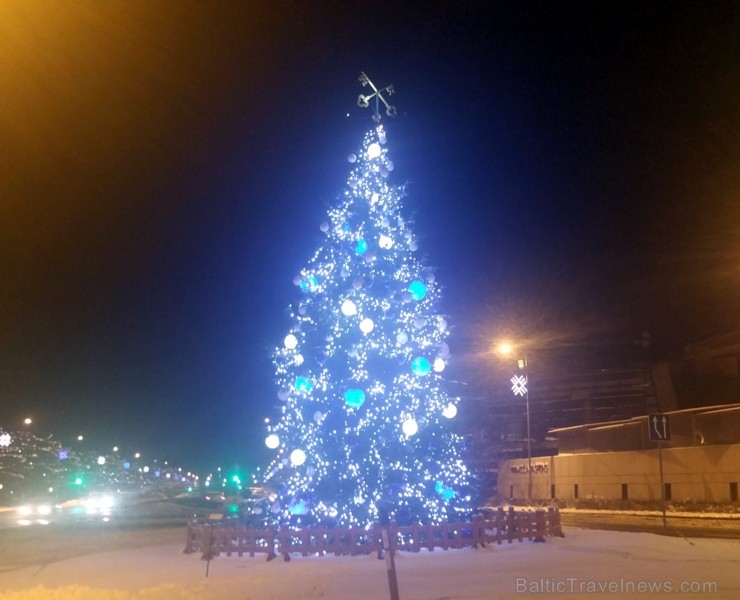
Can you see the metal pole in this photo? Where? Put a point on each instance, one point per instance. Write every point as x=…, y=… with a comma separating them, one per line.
x=390, y=562
x=662, y=485
x=529, y=437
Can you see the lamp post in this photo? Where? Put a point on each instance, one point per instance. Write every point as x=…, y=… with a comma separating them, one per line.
x=520, y=387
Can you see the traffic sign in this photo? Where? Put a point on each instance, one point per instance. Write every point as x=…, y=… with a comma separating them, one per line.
x=659, y=426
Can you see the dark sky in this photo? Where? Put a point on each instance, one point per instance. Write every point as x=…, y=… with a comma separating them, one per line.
x=164, y=166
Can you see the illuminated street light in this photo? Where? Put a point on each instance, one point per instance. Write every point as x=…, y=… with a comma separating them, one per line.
x=27, y=421
x=520, y=387
x=80, y=438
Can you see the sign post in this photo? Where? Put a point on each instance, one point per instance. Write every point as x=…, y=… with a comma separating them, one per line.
x=659, y=428
x=212, y=518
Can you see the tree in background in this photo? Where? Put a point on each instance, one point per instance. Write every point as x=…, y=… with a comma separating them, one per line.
x=365, y=421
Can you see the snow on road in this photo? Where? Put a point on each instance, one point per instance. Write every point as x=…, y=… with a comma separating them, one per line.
x=586, y=563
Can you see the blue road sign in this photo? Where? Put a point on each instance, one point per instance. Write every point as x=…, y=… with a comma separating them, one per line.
x=659, y=426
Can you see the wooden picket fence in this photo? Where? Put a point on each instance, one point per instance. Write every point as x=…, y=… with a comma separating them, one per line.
x=232, y=537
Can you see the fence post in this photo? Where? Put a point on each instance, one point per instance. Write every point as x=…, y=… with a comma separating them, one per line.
x=553, y=518
x=189, y=540
x=539, y=519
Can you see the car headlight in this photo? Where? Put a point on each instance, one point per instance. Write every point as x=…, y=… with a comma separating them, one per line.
x=25, y=510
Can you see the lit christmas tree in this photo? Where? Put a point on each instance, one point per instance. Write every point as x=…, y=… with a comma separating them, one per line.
x=366, y=421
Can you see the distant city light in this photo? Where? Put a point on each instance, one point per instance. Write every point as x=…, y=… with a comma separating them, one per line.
x=115, y=448
x=101, y=460
x=137, y=455
x=27, y=421
x=80, y=438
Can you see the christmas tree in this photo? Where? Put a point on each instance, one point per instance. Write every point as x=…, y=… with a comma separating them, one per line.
x=366, y=421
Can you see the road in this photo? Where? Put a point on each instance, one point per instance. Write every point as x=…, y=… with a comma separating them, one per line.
x=128, y=513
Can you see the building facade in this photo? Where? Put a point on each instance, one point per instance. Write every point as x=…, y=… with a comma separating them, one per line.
x=622, y=460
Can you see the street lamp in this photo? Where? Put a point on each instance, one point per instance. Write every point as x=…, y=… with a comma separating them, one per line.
x=520, y=387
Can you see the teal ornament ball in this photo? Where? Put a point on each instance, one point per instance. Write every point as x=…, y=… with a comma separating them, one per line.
x=309, y=284
x=420, y=366
x=418, y=290
x=361, y=247
x=354, y=398
x=303, y=384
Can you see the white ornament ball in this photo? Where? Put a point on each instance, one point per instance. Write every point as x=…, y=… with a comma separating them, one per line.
x=385, y=242
x=324, y=226
x=442, y=324
x=272, y=441
x=413, y=246
x=283, y=395
x=318, y=416
x=357, y=283
x=410, y=427
x=352, y=158
x=366, y=325
x=449, y=411
x=373, y=150
x=439, y=365
x=443, y=350
x=344, y=272
x=389, y=165
x=290, y=341
x=297, y=457
x=419, y=322
x=297, y=280
x=402, y=338
x=348, y=308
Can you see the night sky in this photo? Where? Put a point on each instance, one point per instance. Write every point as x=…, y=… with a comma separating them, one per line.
x=573, y=169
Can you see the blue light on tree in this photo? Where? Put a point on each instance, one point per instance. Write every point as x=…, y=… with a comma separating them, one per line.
x=366, y=341
x=354, y=398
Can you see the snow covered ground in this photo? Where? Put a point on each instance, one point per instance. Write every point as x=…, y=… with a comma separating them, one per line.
x=586, y=563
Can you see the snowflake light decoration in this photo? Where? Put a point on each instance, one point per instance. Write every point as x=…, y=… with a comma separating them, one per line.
x=5, y=440
x=519, y=385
